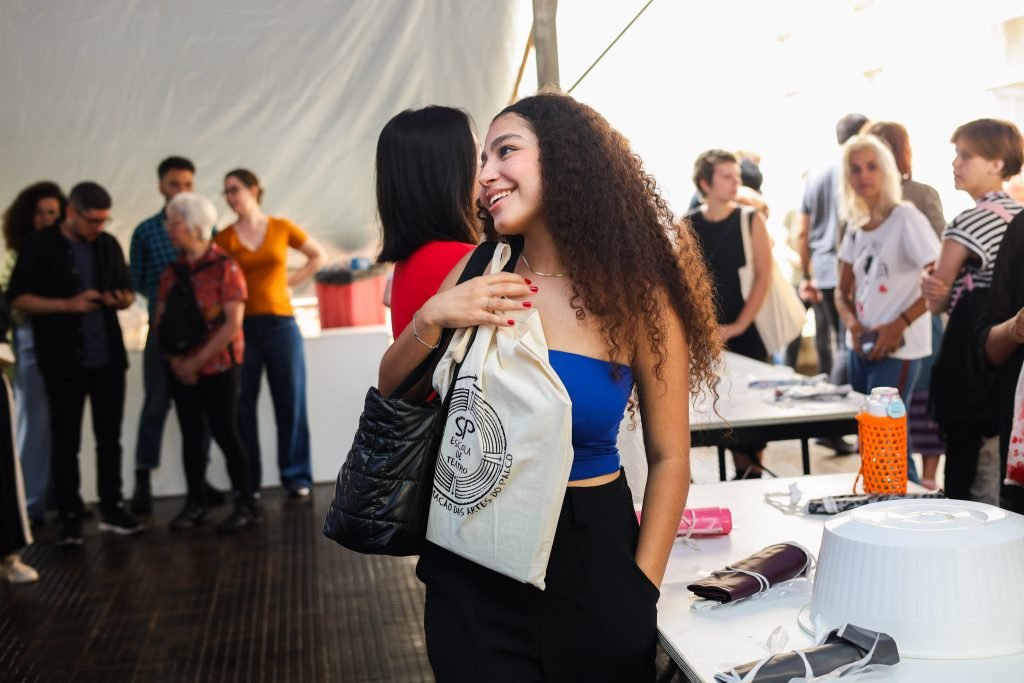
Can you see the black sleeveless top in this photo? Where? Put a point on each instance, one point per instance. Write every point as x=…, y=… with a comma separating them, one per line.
x=722, y=244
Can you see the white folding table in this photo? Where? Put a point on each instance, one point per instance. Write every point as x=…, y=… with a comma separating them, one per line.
x=702, y=641
x=748, y=416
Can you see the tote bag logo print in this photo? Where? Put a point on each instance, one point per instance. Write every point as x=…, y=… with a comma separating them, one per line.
x=473, y=461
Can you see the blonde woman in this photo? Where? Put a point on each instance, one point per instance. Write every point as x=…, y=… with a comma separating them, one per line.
x=887, y=244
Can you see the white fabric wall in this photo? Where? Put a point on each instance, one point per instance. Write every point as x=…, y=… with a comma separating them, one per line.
x=296, y=90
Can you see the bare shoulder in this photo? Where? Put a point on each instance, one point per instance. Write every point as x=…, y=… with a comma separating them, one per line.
x=452, y=278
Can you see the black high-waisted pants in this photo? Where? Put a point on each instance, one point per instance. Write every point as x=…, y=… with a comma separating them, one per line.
x=595, y=621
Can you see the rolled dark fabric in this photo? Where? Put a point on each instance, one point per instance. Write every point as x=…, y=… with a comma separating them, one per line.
x=831, y=505
x=847, y=645
x=759, y=572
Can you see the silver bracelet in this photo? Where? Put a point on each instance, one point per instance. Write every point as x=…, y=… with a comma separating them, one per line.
x=417, y=335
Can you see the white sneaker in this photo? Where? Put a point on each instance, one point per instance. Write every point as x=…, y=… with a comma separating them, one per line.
x=16, y=571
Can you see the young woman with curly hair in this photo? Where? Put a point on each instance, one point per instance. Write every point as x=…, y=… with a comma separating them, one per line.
x=626, y=307
x=38, y=206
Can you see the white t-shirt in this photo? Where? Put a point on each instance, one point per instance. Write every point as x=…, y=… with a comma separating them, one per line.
x=887, y=264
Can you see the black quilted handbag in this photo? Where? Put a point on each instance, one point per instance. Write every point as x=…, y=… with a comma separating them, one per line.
x=382, y=495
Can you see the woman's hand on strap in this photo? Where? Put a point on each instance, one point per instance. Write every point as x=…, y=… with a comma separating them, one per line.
x=483, y=300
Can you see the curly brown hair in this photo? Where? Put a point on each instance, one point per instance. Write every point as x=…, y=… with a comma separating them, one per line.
x=598, y=200
x=19, y=216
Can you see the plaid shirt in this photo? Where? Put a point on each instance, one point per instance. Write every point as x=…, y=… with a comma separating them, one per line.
x=150, y=253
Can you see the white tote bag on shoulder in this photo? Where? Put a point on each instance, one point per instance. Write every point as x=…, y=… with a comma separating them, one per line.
x=505, y=457
x=782, y=314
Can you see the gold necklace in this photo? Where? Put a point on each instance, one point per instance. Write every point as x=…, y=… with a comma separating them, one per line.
x=537, y=272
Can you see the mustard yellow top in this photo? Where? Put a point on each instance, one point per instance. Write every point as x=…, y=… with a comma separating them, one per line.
x=266, y=270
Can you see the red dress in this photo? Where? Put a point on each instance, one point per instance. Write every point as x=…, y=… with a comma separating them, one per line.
x=418, y=278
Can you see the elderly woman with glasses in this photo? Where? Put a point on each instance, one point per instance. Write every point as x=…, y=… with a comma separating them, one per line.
x=200, y=305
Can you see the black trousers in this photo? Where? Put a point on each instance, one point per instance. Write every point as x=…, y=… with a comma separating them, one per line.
x=595, y=621
x=963, y=446
x=14, y=531
x=211, y=407
x=66, y=394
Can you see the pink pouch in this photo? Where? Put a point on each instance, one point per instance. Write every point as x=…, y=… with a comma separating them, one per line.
x=703, y=522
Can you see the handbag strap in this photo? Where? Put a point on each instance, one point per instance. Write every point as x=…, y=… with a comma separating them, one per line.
x=748, y=255
x=477, y=265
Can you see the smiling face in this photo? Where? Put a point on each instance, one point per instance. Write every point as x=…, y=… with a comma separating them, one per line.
x=974, y=174
x=47, y=212
x=510, y=175
x=865, y=174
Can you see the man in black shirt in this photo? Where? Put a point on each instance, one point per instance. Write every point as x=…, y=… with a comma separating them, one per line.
x=72, y=279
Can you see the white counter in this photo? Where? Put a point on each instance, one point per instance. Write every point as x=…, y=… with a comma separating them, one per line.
x=703, y=641
x=341, y=364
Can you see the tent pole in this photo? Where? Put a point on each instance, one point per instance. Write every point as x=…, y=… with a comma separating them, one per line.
x=522, y=68
x=546, y=42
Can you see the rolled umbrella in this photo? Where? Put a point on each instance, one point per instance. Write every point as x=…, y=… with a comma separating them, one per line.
x=848, y=648
x=754, y=574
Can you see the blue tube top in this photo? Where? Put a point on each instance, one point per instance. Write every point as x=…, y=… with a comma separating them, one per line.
x=598, y=403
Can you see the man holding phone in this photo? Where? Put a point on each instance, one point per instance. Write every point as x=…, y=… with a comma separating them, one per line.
x=72, y=279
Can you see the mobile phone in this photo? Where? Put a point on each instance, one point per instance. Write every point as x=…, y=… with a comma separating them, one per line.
x=867, y=342
x=869, y=339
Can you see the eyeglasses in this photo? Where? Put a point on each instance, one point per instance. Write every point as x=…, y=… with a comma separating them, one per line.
x=96, y=222
x=80, y=212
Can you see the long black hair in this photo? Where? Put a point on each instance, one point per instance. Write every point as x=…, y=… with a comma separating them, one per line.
x=426, y=170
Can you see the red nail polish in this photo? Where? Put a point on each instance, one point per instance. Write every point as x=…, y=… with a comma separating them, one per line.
x=528, y=280
x=511, y=323
x=534, y=289
x=527, y=304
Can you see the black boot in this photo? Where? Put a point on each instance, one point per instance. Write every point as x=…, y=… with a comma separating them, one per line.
x=214, y=496
x=142, y=501
x=246, y=514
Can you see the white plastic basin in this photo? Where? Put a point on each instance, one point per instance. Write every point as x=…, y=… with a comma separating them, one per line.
x=945, y=578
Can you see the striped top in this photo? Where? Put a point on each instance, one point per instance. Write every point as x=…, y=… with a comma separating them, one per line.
x=980, y=230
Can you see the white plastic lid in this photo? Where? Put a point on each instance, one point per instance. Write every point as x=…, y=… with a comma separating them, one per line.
x=928, y=523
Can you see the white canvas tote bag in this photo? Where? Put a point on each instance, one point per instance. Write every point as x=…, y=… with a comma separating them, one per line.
x=782, y=315
x=505, y=457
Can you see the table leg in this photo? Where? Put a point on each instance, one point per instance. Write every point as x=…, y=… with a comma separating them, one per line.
x=721, y=463
x=805, y=454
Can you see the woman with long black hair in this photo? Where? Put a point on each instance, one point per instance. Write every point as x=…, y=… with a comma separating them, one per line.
x=426, y=170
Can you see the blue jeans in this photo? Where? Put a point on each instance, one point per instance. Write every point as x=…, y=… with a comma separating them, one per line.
x=33, y=422
x=866, y=374
x=155, y=405
x=274, y=342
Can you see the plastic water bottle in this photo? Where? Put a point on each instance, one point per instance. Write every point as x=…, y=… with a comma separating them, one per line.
x=883, y=438
x=885, y=402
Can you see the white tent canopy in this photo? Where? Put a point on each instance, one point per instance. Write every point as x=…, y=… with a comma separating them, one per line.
x=295, y=90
